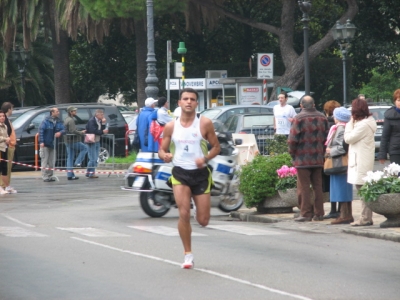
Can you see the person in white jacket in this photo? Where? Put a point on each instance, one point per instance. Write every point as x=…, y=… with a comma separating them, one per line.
x=359, y=134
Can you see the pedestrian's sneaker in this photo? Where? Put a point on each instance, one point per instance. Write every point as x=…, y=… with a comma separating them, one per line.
x=11, y=190
x=2, y=192
x=189, y=262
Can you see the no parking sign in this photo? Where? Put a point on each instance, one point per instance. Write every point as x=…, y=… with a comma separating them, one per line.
x=265, y=65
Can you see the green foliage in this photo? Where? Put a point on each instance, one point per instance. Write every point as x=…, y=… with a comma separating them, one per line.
x=278, y=145
x=258, y=178
x=99, y=9
x=389, y=80
x=386, y=185
x=123, y=160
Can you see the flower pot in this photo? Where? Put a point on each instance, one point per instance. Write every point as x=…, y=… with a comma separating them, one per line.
x=389, y=206
x=289, y=197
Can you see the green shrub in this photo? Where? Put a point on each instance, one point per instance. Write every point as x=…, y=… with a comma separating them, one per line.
x=278, y=145
x=258, y=178
x=123, y=160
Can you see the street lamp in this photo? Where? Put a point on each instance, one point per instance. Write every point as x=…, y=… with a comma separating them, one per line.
x=344, y=34
x=305, y=7
x=182, y=50
x=151, y=79
x=21, y=58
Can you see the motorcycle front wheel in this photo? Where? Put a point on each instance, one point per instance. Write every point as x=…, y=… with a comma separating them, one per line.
x=151, y=207
x=233, y=200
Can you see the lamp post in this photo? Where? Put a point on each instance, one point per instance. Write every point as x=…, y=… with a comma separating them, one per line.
x=21, y=57
x=151, y=79
x=344, y=34
x=305, y=7
x=182, y=50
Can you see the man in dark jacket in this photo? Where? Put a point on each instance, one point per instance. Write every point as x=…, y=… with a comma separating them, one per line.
x=51, y=127
x=306, y=146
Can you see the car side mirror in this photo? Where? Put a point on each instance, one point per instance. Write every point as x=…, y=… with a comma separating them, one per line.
x=238, y=142
x=30, y=127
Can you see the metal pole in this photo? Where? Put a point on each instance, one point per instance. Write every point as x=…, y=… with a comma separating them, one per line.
x=151, y=79
x=344, y=53
x=169, y=58
x=305, y=7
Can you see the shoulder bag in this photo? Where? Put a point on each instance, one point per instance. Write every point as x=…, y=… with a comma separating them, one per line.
x=90, y=138
x=336, y=165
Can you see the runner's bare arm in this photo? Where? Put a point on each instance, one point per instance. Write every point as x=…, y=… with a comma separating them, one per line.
x=163, y=150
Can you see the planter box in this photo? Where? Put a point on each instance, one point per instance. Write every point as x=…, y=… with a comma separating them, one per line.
x=283, y=202
x=389, y=206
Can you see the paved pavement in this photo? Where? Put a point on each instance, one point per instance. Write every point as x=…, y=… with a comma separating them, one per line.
x=286, y=221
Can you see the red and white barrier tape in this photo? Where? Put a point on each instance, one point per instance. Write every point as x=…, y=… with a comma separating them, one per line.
x=60, y=170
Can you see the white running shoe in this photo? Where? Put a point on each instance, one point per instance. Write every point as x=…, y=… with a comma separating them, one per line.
x=11, y=190
x=189, y=262
x=2, y=192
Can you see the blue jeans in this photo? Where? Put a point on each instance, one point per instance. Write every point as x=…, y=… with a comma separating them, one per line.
x=79, y=147
x=93, y=154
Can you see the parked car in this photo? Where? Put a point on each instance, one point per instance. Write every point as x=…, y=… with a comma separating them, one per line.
x=17, y=111
x=27, y=126
x=129, y=115
x=131, y=120
x=222, y=113
x=261, y=125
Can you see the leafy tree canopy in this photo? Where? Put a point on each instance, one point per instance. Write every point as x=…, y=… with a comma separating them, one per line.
x=99, y=9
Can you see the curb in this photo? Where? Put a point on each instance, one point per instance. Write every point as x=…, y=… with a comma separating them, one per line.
x=376, y=233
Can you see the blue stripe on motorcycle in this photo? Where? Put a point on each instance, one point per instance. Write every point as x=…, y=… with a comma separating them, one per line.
x=150, y=160
x=224, y=169
x=163, y=176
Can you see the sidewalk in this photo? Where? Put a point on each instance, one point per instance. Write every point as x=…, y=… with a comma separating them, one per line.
x=286, y=221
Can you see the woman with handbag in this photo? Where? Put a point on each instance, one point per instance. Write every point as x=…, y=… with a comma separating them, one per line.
x=359, y=134
x=341, y=191
x=95, y=128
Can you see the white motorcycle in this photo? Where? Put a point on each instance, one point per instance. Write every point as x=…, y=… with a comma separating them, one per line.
x=148, y=175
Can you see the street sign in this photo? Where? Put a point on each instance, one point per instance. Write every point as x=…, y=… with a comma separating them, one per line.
x=265, y=66
x=178, y=69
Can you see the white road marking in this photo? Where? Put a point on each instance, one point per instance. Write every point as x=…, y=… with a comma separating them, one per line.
x=228, y=277
x=163, y=230
x=93, y=232
x=19, y=232
x=17, y=221
x=244, y=230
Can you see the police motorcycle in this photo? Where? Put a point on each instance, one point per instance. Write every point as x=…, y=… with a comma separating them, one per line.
x=148, y=176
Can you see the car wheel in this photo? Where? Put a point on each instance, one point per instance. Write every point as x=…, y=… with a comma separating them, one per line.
x=103, y=155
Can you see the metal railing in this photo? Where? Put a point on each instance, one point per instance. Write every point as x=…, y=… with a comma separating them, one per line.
x=263, y=135
x=107, y=150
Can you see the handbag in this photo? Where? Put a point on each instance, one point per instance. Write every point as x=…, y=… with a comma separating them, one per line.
x=90, y=138
x=336, y=165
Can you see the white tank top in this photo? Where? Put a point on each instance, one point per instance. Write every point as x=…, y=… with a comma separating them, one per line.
x=187, y=144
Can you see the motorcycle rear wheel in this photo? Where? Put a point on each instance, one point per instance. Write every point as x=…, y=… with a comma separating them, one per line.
x=151, y=207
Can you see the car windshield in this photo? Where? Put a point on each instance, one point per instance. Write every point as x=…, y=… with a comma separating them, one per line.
x=378, y=113
x=250, y=121
x=210, y=113
x=21, y=120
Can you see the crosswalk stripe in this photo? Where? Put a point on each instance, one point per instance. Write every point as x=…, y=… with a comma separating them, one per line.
x=163, y=230
x=93, y=232
x=19, y=232
x=244, y=230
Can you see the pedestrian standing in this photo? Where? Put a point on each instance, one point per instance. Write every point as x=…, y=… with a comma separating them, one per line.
x=50, y=129
x=188, y=136
x=7, y=108
x=359, y=134
x=73, y=143
x=334, y=213
x=283, y=115
x=4, y=142
x=97, y=126
x=341, y=190
x=306, y=146
x=390, y=140
x=143, y=124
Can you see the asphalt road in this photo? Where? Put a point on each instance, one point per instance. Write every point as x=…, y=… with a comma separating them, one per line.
x=87, y=239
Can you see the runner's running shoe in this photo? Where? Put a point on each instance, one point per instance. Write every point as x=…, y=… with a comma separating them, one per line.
x=189, y=262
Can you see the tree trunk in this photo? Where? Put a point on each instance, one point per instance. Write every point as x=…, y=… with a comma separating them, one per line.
x=141, y=56
x=60, y=45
